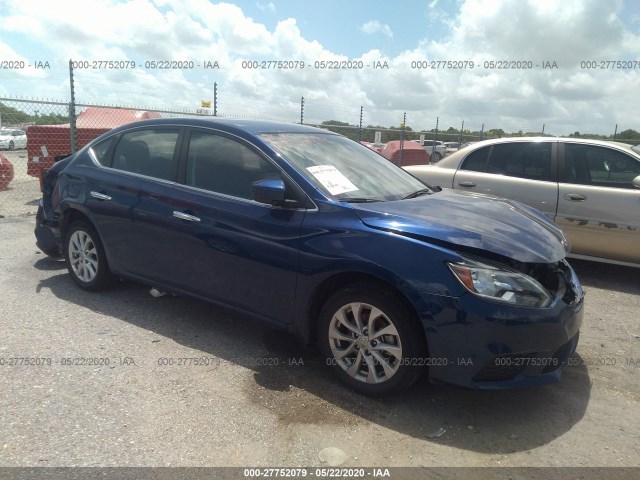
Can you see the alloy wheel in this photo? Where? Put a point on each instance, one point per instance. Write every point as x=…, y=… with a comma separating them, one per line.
x=365, y=343
x=83, y=256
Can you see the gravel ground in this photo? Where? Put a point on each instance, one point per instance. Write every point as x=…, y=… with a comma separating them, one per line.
x=239, y=411
x=21, y=196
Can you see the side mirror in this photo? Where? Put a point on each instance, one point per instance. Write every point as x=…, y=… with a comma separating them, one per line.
x=270, y=192
x=636, y=182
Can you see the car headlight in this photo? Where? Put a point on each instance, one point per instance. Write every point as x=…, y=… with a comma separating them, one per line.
x=500, y=284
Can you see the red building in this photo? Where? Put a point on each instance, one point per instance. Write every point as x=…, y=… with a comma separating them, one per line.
x=412, y=153
x=45, y=142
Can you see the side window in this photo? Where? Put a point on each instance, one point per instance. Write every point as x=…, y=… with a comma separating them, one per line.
x=222, y=165
x=101, y=150
x=531, y=160
x=600, y=166
x=476, y=161
x=147, y=152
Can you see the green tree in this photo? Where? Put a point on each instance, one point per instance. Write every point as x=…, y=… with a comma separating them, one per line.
x=628, y=135
x=12, y=116
x=50, y=119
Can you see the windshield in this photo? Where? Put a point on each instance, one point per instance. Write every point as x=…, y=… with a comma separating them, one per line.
x=342, y=168
x=636, y=148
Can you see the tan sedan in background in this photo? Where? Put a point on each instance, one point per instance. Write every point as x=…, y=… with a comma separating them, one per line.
x=590, y=188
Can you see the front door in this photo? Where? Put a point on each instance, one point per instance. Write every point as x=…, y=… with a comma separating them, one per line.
x=229, y=247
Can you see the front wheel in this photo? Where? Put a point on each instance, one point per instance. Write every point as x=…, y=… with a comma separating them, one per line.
x=11, y=145
x=370, y=338
x=85, y=257
x=435, y=157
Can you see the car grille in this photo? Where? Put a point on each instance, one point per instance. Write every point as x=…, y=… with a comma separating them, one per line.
x=562, y=354
x=556, y=278
x=503, y=367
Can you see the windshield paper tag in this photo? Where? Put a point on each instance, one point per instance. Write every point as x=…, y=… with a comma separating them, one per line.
x=332, y=179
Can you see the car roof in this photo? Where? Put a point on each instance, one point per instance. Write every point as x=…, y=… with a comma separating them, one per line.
x=551, y=139
x=230, y=125
x=453, y=159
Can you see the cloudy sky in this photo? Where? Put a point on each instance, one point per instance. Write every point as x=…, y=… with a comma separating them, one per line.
x=574, y=35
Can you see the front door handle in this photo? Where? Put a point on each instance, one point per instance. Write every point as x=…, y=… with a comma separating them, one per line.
x=185, y=216
x=467, y=184
x=100, y=196
x=575, y=197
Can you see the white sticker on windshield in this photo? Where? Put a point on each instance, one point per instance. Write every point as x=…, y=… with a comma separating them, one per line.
x=332, y=179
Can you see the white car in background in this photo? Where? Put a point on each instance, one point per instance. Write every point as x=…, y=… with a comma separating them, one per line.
x=590, y=188
x=11, y=139
x=436, y=149
x=452, y=147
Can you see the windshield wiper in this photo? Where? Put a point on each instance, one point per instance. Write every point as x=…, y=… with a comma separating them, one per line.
x=357, y=199
x=424, y=191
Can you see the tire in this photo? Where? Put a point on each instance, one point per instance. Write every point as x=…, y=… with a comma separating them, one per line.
x=85, y=257
x=11, y=145
x=436, y=157
x=343, y=348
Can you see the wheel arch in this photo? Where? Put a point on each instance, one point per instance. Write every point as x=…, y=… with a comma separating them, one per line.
x=72, y=214
x=341, y=280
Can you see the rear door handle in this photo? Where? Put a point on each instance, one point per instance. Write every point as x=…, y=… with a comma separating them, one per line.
x=467, y=184
x=100, y=196
x=185, y=216
x=575, y=197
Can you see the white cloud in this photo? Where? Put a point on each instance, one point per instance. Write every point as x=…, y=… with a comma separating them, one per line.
x=374, y=26
x=264, y=7
x=566, y=99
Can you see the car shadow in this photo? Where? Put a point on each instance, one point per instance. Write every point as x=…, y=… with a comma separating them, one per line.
x=50, y=264
x=299, y=388
x=607, y=276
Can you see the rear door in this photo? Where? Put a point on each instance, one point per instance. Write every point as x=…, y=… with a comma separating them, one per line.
x=228, y=247
x=129, y=200
x=522, y=171
x=599, y=208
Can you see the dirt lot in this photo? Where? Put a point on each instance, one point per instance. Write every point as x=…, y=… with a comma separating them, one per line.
x=235, y=411
x=22, y=195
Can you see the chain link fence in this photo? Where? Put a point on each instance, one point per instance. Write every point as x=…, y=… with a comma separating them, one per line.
x=43, y=131
x=29, y=125
x=39, y=131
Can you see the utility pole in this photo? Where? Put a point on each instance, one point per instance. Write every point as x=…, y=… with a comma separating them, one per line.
x=215, y=99
x=72, y=112
x=404, y=123
x=435, y=136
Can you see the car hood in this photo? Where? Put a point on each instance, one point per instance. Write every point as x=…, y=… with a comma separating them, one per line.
x=493, y=224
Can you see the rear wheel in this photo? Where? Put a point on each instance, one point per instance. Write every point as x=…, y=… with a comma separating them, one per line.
x=435, y=157
x=85, y=257
x=371, y=338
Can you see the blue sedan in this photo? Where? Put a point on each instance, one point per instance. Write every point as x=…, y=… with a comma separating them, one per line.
x=320, y=236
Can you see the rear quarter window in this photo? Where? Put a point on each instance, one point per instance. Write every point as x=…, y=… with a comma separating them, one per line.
x=101, y=150
x=476, y=161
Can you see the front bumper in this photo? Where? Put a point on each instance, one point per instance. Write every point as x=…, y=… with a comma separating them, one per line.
x=482, y=344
